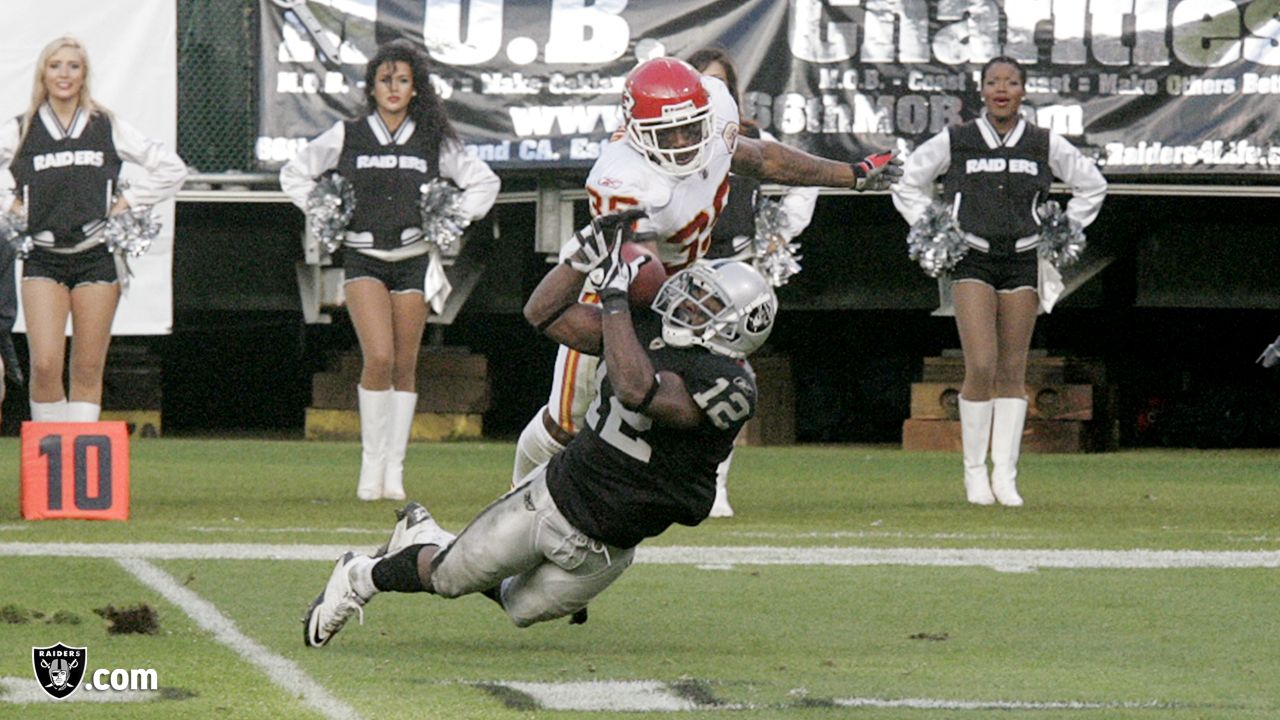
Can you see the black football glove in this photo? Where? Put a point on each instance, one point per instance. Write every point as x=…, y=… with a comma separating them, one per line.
x=877, y=171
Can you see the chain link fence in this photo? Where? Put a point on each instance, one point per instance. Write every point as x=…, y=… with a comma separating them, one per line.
x=217, y=84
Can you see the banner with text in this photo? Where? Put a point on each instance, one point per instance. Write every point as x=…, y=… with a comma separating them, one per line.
x=1147, y=87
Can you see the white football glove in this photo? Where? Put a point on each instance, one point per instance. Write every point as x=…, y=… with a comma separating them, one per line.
x=617, y=276
x=596, y=240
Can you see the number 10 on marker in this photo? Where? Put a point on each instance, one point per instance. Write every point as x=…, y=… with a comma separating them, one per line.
x=75, y=470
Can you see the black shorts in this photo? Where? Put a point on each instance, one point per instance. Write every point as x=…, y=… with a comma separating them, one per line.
x=94, y=266
x=1002, y=272
x=400, y=276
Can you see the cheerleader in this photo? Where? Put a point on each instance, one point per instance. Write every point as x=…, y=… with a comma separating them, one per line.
x=64, y=155
x=733, y=233
x=995, y=171
x=404, y=141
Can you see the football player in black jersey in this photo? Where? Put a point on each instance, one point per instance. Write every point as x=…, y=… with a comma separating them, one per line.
x=393, y=275
x=65, y=155
x=995, y=171
x=674, y=394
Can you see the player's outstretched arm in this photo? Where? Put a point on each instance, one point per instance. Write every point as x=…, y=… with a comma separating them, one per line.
x=554, y=310
x=774, y=162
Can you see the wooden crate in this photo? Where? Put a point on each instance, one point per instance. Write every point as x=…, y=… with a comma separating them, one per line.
x=1039, y=436
x=1070, y=405
x=453, y=395
x=940, y=401
x=775, y=419
x=450, y=381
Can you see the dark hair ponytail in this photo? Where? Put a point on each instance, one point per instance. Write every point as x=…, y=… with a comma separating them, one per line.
x=701, y=59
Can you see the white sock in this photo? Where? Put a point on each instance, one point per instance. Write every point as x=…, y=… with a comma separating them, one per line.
x=360, y=573
x=55, y=411
x=79, y=411
x=535, y=447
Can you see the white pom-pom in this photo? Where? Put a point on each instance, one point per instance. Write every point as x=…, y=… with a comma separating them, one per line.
x=443, y=219
x=1062, y=240
x=13, y=230
x=775, y=257
x=330, y=206
x=936, y=241
x=132, y=231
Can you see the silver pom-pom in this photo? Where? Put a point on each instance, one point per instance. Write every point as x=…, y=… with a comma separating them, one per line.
x=132, y=231
x=936, y=241
x=1062, y=239
x=775, y=256
x=443, y=218
x=13, y=230
x=330, y=206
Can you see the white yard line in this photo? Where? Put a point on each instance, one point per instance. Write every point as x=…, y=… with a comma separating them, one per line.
x=713, y=556
x=280, y=670
x=26, y=691
x=936, y=704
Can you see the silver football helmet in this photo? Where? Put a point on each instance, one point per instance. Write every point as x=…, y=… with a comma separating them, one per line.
x=724, y=306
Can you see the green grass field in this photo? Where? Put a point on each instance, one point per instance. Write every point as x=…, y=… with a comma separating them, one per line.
x=854, y=582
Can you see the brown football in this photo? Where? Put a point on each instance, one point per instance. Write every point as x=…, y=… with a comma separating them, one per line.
x=644, y=287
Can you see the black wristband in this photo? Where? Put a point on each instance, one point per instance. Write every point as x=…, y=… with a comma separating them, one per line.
x=614, y=301
x=648, y=397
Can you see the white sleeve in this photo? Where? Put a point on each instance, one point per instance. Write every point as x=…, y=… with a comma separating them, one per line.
x=298, y=176
x=916, y=190
x=165, y=171
x=797, y=209
x=1088, y=187
x=9, y=138
x=478, y=182
x=797, y=203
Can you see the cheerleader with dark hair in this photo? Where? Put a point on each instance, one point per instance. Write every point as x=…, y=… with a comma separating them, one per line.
x=392, y=277
x=65, y=154
x=995, y=171
x=734, y=232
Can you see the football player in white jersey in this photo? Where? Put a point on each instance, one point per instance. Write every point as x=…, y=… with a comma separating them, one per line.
x=682, y=140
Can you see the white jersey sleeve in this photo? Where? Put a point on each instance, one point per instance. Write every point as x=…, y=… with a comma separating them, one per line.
x=478, y=182
x=165, y=171
x=726, y=114
x=913, y=194
x=298, y=176
x=798, y=202
x=1088, y=187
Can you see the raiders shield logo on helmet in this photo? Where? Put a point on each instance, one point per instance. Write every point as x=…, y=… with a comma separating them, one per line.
x=59, y=669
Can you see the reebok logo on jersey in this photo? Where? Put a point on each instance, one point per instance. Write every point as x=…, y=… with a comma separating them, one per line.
x=995, y=165
x=67, y=158
x=391, y=162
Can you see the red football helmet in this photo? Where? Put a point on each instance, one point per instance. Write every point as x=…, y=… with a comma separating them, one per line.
x=668, y=115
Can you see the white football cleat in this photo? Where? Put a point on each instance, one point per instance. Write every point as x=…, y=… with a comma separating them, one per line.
x=414, y=526
x=334, y=606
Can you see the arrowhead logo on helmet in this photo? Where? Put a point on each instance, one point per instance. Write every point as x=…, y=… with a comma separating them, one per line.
x=668, y=115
